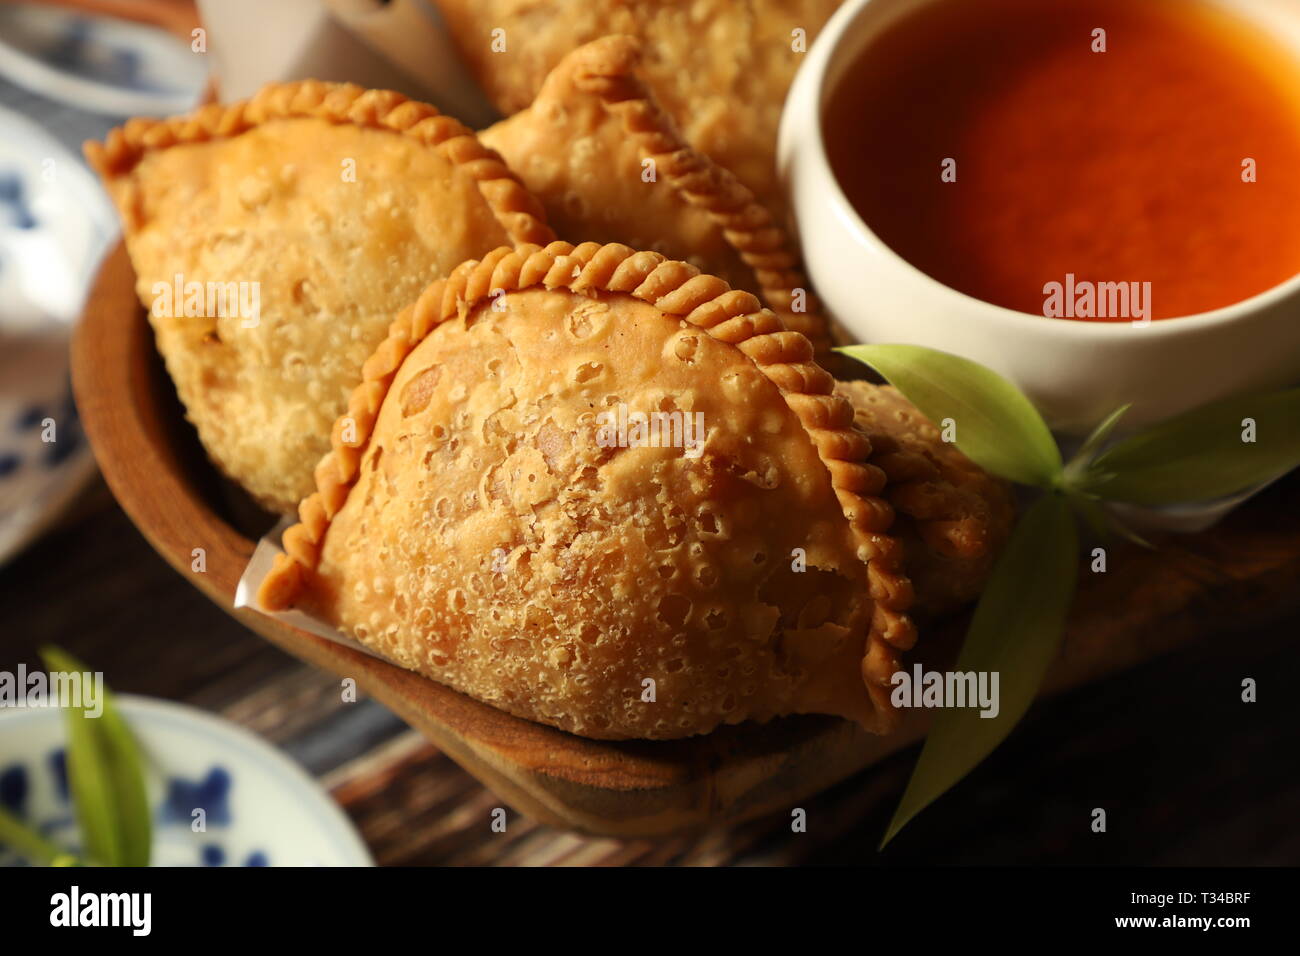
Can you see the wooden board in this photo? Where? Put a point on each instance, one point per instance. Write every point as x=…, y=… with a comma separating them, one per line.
x=1145, y=604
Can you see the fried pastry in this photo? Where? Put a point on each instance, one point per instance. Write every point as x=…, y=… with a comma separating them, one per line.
x=600, y=490
x=274, y=239
x=952, y=515
x=721, y=68
x=609, y=166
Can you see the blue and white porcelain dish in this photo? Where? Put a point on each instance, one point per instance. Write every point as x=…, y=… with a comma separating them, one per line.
x=56, y=223
x=55, y=226
x=259, y=808
x=114, y=67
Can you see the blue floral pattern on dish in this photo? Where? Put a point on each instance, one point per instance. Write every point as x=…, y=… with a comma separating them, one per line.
x=54, y=224
x=209, y=795
x=182, y=797
x=260, y=808
x=13, y=789
x=101, y=63
x=15, y=212
x=25, y=443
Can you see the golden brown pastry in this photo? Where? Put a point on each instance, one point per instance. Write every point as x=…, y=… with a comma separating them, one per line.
x=609, y=166
x=304, y=218
x=495, y=514
x=721, y=68
x=953, y=516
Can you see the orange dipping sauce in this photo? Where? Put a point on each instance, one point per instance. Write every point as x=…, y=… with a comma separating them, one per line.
x=1074, y=167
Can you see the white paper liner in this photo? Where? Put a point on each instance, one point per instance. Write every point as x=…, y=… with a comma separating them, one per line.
x=259, y=566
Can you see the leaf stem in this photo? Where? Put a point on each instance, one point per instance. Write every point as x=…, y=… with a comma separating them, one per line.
x=29, y=844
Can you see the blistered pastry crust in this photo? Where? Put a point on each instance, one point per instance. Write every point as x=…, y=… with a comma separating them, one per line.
x=516, y=208
x=675, y=289
x=606, y=69
x=721, y=68
x=953, y=515
x=336, y=206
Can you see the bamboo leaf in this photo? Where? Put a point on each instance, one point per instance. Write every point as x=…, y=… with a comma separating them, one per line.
x=88, y=778
x=996, y=425
x=1104, y=525
x=28, y=843
x=1202, y=454
x=127, y=767
x=1015, y=632
x=105, y=777
x=1098, y=437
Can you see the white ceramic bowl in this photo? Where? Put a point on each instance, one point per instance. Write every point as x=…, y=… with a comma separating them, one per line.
x=1075, y=372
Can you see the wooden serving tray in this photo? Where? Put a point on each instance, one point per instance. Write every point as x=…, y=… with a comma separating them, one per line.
x=1147, y=603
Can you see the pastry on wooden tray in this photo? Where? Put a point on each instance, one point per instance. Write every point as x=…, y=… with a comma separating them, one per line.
x=601, y=490
x=952, y=515
x=304, y=219
x=721, y=68
x=609, y=166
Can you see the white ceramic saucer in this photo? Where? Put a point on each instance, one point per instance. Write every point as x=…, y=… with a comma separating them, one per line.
x=259, y=807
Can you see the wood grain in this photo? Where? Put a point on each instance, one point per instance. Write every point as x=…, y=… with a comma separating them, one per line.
x=1146, y=604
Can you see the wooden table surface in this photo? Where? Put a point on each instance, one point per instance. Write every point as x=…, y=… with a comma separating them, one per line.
x=1187, y=773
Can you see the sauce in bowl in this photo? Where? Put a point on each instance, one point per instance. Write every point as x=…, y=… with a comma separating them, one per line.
x=1010, y=150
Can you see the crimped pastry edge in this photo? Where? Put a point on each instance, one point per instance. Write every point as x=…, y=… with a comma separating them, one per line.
x=678, y=289
x=607, y=69
x=907, y=469
x=514, y=207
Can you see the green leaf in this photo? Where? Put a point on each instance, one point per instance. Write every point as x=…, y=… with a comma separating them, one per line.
x=1093, y=515
x=1097, y=439
x=1201, y=455
x=106, y=778
x=1016, y=631
x=28, y=843
x=996, y=425
x=127, y=766
x=1103, y=524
